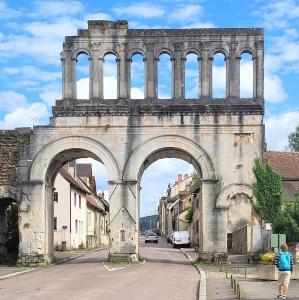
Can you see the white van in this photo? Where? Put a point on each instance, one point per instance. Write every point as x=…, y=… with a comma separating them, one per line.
x=180, y=238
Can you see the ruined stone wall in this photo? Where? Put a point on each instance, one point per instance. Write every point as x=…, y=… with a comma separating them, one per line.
x=12, y=144
x=240, y=240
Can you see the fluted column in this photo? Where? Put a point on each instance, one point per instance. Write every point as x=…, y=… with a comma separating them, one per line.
x=178, y=82
x=151, y=87
x=206, y=74
x=94, y=76
x=68, y=76
x=258, y=74
x=123, y=76
x=129, y=75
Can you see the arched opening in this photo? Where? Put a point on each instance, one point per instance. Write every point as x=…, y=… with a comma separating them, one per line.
x=192, y=77
x=137, y=76
x=110, y=76
x=219, y=76
x=170, y=181
x=80, y=206
x=164, y=76
x=246, y=76
x=82, y=76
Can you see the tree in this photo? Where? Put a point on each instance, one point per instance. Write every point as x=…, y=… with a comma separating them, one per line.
x=294, y=140
x=189, y=215
x=195, y=183
x=267, y=190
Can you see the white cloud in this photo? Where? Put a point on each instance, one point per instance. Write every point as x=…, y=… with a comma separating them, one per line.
x=200, y=25
x=246, y=78
x=278, y=127
x=45, y=9
x=10, y=100
x=36, y=113
x=141, y=10
x=219, y=81
x=185, y=13
x=274, y=91
x=7, y=12
x=278, y=14
x=49, y=97
x=137, y=93
x=32, y=73
x=97, y=16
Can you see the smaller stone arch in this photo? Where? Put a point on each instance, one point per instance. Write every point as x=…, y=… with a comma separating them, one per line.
x=191, y=51
x=111, y=51
x=164, y=51
x=229, y=191
x=134, y=51
x=221, y=50
x=76, y=53
x=248, y=50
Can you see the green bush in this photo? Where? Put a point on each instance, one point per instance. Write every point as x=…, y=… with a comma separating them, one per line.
x=189, y=215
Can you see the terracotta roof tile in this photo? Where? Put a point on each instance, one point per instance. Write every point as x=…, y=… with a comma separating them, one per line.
x=286, y=164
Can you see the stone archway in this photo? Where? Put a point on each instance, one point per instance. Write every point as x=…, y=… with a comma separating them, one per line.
x=36, y=207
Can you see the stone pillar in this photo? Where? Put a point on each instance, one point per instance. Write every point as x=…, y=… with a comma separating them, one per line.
x=199, y=60
x=123, y=220
x=206, y=74
x=183, y=77
x=118, y=77
x=101, y=78
x=258, y=77
x=209, y=227
x=94, y=75
x=3, y=231
x=123, y=76
x=68, y=76
x=233, y=72
x=178, y=78
x=36, y=225
x=128, y=75
x=151, y=74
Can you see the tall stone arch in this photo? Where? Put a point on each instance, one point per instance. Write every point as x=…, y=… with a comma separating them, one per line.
x=127, y=135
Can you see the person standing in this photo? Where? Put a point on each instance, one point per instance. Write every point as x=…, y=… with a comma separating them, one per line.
x=284, y=263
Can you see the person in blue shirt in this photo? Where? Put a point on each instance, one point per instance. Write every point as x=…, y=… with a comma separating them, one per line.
x=284, y=263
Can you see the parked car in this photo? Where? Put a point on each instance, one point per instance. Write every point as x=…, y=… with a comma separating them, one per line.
x=180, y=238
x=151, y=237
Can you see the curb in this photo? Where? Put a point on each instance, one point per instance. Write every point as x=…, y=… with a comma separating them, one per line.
x=40, y=268
x=202, y=291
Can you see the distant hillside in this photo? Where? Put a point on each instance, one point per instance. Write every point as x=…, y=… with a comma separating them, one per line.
x=147, y=223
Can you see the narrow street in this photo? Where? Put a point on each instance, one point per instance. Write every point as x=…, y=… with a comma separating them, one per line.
x=165, y=274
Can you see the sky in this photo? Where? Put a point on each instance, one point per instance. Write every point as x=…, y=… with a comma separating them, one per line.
x=32, y=33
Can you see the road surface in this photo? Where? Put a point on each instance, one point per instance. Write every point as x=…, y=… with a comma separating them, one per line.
x=165, y=274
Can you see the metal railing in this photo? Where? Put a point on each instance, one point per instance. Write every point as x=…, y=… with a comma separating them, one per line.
x=236, y=287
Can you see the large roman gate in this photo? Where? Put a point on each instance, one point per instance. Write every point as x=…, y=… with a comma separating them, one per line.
x=220, y=137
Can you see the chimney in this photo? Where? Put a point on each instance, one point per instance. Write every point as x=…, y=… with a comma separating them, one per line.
x=180, y=178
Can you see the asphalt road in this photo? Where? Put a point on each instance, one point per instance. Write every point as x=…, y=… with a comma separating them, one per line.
x=165, y=274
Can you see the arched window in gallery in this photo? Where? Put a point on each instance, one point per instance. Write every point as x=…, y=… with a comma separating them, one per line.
x=110, y=76
x=246, y=75
x=219, y=76
x=137, y=76
x=82, y=76
x=192, y=76
x=164, y=76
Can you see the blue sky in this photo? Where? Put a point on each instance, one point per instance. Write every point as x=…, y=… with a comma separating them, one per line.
x=32, y=32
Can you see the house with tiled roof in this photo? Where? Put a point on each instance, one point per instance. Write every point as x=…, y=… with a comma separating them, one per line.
x=80, y=215
x=286, y=164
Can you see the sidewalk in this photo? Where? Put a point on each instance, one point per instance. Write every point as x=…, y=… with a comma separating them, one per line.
x=7, y=271
x=217, y=286
x=252, y=288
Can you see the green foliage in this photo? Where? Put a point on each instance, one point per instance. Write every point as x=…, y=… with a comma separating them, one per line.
x=287, y=220
x=267, y=190
x=294, y=140
x=12, y=235
x=195, y=184
x=189, y=215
